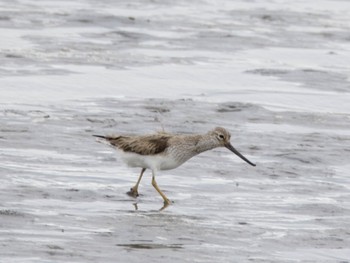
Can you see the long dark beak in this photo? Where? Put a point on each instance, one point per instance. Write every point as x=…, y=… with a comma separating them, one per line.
x=232, y=149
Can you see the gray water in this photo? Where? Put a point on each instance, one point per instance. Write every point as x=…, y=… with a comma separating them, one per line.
x=274, y=73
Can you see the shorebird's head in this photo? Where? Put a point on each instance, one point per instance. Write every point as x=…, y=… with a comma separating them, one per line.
x=223, y=138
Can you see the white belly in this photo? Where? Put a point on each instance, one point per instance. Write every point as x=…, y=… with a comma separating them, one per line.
x=156, y=162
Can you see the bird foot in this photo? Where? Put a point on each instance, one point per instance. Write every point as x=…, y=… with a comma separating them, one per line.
x=167, y=202
x=133, y=192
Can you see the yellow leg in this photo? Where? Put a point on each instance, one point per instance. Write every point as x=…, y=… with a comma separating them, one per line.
x=166, y=200
x=134, y=190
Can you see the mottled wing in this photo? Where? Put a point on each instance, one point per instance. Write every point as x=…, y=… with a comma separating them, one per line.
x=144, y=145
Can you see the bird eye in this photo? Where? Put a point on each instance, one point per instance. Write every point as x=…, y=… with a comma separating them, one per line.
x=221, y=136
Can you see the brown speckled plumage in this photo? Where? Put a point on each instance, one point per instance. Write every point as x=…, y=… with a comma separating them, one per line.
x=143, y=145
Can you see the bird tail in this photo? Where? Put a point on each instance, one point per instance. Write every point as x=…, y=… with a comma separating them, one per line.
x=99, y=136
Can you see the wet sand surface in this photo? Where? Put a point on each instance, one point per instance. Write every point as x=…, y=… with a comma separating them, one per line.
x=275, y=75
x=63, y=194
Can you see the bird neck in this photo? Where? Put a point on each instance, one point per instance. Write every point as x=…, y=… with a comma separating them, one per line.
x=205, y=143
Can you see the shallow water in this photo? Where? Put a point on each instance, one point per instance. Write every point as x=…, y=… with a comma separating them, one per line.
x=274, y=73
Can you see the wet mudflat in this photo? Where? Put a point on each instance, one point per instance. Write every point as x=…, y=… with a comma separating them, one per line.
x=274, y=73
x=63, y=194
